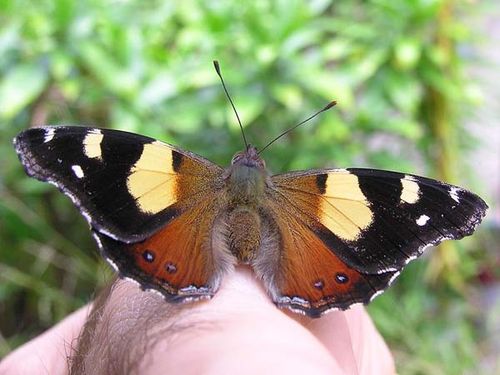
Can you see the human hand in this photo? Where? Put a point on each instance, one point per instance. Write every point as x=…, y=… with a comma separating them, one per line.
x=238, y=331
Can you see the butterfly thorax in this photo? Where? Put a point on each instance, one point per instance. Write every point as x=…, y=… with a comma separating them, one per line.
x=246, y=178
x=246, y=182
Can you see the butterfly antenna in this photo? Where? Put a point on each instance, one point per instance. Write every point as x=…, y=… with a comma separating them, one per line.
x=217, y=69
x=326, y=108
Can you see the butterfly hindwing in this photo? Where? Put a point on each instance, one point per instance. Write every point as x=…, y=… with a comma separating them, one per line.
x=183, y=260
x=309, y=277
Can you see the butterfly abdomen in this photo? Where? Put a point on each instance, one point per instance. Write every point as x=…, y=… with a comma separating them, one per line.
x=244, y=234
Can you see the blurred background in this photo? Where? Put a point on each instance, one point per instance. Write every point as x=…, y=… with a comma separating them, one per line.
x=417, y=88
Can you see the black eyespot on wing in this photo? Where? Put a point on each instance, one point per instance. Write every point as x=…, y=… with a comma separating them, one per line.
x=148, y=256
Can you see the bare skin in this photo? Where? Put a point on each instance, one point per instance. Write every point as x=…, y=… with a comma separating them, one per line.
x=238, y=331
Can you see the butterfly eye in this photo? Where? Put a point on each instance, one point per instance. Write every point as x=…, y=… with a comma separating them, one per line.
x=236, y=158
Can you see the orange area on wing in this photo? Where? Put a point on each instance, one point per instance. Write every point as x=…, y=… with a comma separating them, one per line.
x=180, y=255
x=308, y=263
x=336, y=201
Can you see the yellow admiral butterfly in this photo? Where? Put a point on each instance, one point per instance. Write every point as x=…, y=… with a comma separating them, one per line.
x=175, y=222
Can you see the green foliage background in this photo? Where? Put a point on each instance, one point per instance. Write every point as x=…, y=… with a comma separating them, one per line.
x=146, y=67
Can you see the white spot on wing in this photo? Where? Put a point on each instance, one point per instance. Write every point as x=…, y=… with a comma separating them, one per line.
x=78, y=171
x=422, y=220
x=453, y=194
x=386, y=269
x=49, y=134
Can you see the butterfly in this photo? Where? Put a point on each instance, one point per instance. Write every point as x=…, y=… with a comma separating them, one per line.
x=175, y=222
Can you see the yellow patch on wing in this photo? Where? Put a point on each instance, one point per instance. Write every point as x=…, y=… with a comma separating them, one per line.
x=152, y=180
x=410, y=192
x=344, y=209
x=92, y=145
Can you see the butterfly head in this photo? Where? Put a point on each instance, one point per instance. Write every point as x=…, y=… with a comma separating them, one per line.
x=249, y=158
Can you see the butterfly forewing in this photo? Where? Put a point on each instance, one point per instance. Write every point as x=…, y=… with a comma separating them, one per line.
x=126, y=185
x=376, y=220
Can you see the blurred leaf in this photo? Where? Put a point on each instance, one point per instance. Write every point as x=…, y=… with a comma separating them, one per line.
x=405, y=91
x=61, y=65
x=250, y=106
x=160, y=87
x=289, y=95
x=102, y=65
x=407, y=53
x=20, y=87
